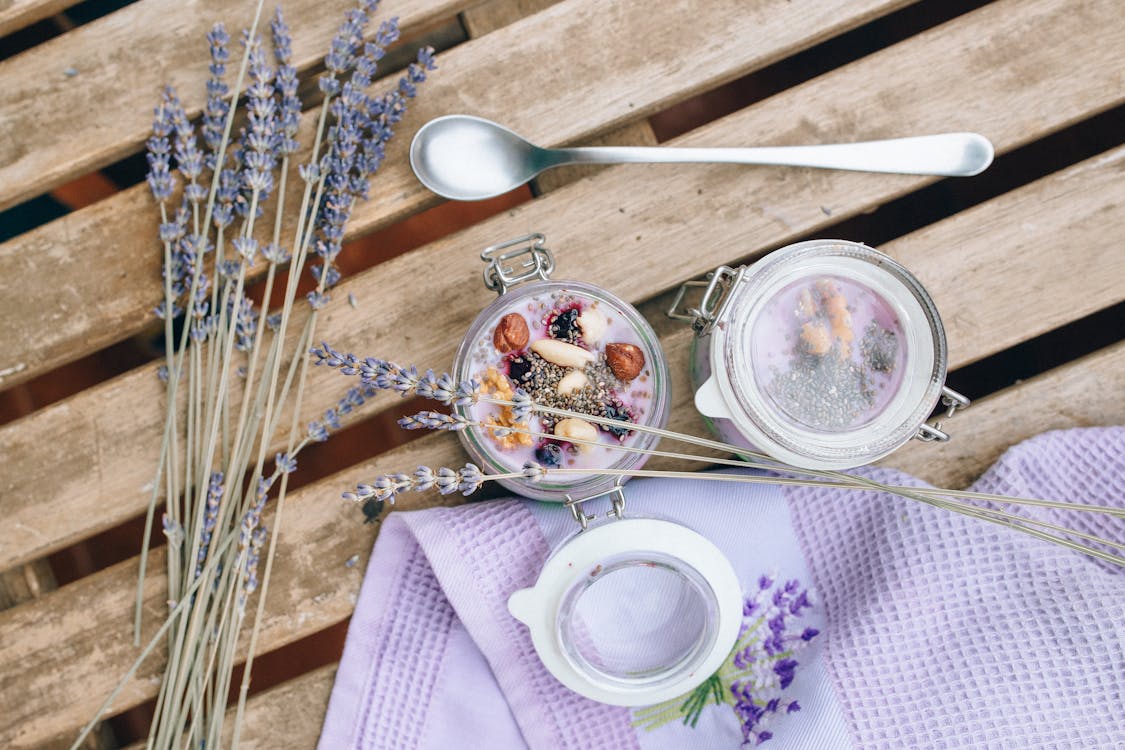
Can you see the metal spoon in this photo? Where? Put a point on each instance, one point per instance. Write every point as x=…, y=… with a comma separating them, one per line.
x=468, y=158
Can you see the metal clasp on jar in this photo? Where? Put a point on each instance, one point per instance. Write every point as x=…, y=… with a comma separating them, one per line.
x=953, y=402
x=617, y=510
x=501, y=274
x=715, y=299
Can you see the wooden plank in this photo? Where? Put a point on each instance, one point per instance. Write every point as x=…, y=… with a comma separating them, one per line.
x=634, y=134
x=16, y=14
x=496, y=14
x=111, y=294
x=289, y=715
x=63, y=654
x=108, y=436
x=69, y=125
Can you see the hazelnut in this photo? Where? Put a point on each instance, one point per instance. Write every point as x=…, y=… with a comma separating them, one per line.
x=625, y=360
x=576, y=429
x=562, y=353
x=511, y=333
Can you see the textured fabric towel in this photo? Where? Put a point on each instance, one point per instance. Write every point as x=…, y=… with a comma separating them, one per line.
x=870, y=621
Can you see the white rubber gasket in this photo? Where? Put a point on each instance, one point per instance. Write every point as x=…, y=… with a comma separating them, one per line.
x=538, y=607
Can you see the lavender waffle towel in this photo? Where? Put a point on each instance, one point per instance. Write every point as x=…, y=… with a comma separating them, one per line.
x=934, y=630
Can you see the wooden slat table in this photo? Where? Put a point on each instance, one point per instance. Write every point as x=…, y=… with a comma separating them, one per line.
x=1032, y=255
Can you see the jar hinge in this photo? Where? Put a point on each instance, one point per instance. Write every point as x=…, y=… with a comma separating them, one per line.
x=713, y=304
x=953, y=402
x=500, y=275
x=617, y=498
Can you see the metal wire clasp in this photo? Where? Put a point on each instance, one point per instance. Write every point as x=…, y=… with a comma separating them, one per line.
x=953, y=402
x=715, y=298
x=500, y=275
x=617, y=499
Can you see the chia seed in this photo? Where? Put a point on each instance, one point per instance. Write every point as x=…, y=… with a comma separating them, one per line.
x=879, y=348
x=825, y=393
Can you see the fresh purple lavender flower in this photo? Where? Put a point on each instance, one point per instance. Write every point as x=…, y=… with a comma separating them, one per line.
x=275, y=253
x=317, y=300
x=286, y=464
x=250, y=572
x=342, y=52
x=227, y=197
x=319, y=430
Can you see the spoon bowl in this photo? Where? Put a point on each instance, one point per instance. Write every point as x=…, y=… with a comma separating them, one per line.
x=468, y=158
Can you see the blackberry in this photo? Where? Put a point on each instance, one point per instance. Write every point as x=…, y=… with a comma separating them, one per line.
x=518, y=369
x=372, y=509
x=565, y=326
x=549, y=455
x=617, y=410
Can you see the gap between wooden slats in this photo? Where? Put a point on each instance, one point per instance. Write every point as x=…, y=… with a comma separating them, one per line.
x=323, y=532
x=690, y=219
x=102, y=263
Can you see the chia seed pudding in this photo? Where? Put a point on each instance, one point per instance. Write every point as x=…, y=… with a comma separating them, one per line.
x=569, y=346
x=830, y=352
x=826, y=354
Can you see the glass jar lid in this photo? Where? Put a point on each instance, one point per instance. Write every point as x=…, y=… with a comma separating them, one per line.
x=829, y=354
x=633, y=612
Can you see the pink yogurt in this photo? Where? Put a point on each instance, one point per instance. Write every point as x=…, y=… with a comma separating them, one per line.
x=553, y=314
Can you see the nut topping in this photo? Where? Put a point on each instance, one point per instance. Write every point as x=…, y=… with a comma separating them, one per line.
x=572, y=382
x=625, y=360
x=562, y=353
x=573, y=428
x=592, y=324
x=511, y=333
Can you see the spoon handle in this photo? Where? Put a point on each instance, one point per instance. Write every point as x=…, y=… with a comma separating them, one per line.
x=947, y=154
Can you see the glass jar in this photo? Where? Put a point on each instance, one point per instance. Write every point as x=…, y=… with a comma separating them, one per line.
x=825, y=354
x=569, y=345
x=631, y=611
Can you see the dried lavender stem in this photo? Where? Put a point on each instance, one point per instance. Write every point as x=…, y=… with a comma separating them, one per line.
x=244, y=688
x=171, y=406
x=177, y=610
x=837, y=483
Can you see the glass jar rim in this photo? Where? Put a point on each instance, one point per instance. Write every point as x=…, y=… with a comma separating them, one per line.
x=762, y=421
x=474, y=440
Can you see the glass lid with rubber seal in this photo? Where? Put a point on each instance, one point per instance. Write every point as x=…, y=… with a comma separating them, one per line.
x=634, y=611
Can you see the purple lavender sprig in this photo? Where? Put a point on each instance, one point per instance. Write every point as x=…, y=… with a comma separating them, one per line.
x=189, y=159
x=159, y=154
x=386, y=488
x=258, y=152
x=319, y=430
x=341, y=56
x=387, y=376
x=289, y=109
x=211, y=514
x=217, y=107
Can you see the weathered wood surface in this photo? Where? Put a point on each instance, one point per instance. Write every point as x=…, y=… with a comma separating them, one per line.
x=16, y=14
x=93, y=276
x=721, y=214
x=317, y=530
x=90, y=643
x=69, y=125
x=286, y=716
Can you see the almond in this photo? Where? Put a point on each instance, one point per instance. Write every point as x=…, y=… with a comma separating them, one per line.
x=580, y=429
x=562, y=353
x=625, y=360
x=572, y=382
x=511, y=333
x=592, y=324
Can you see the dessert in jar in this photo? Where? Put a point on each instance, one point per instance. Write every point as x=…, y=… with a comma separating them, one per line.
x=569, y=345
x=825, y=354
